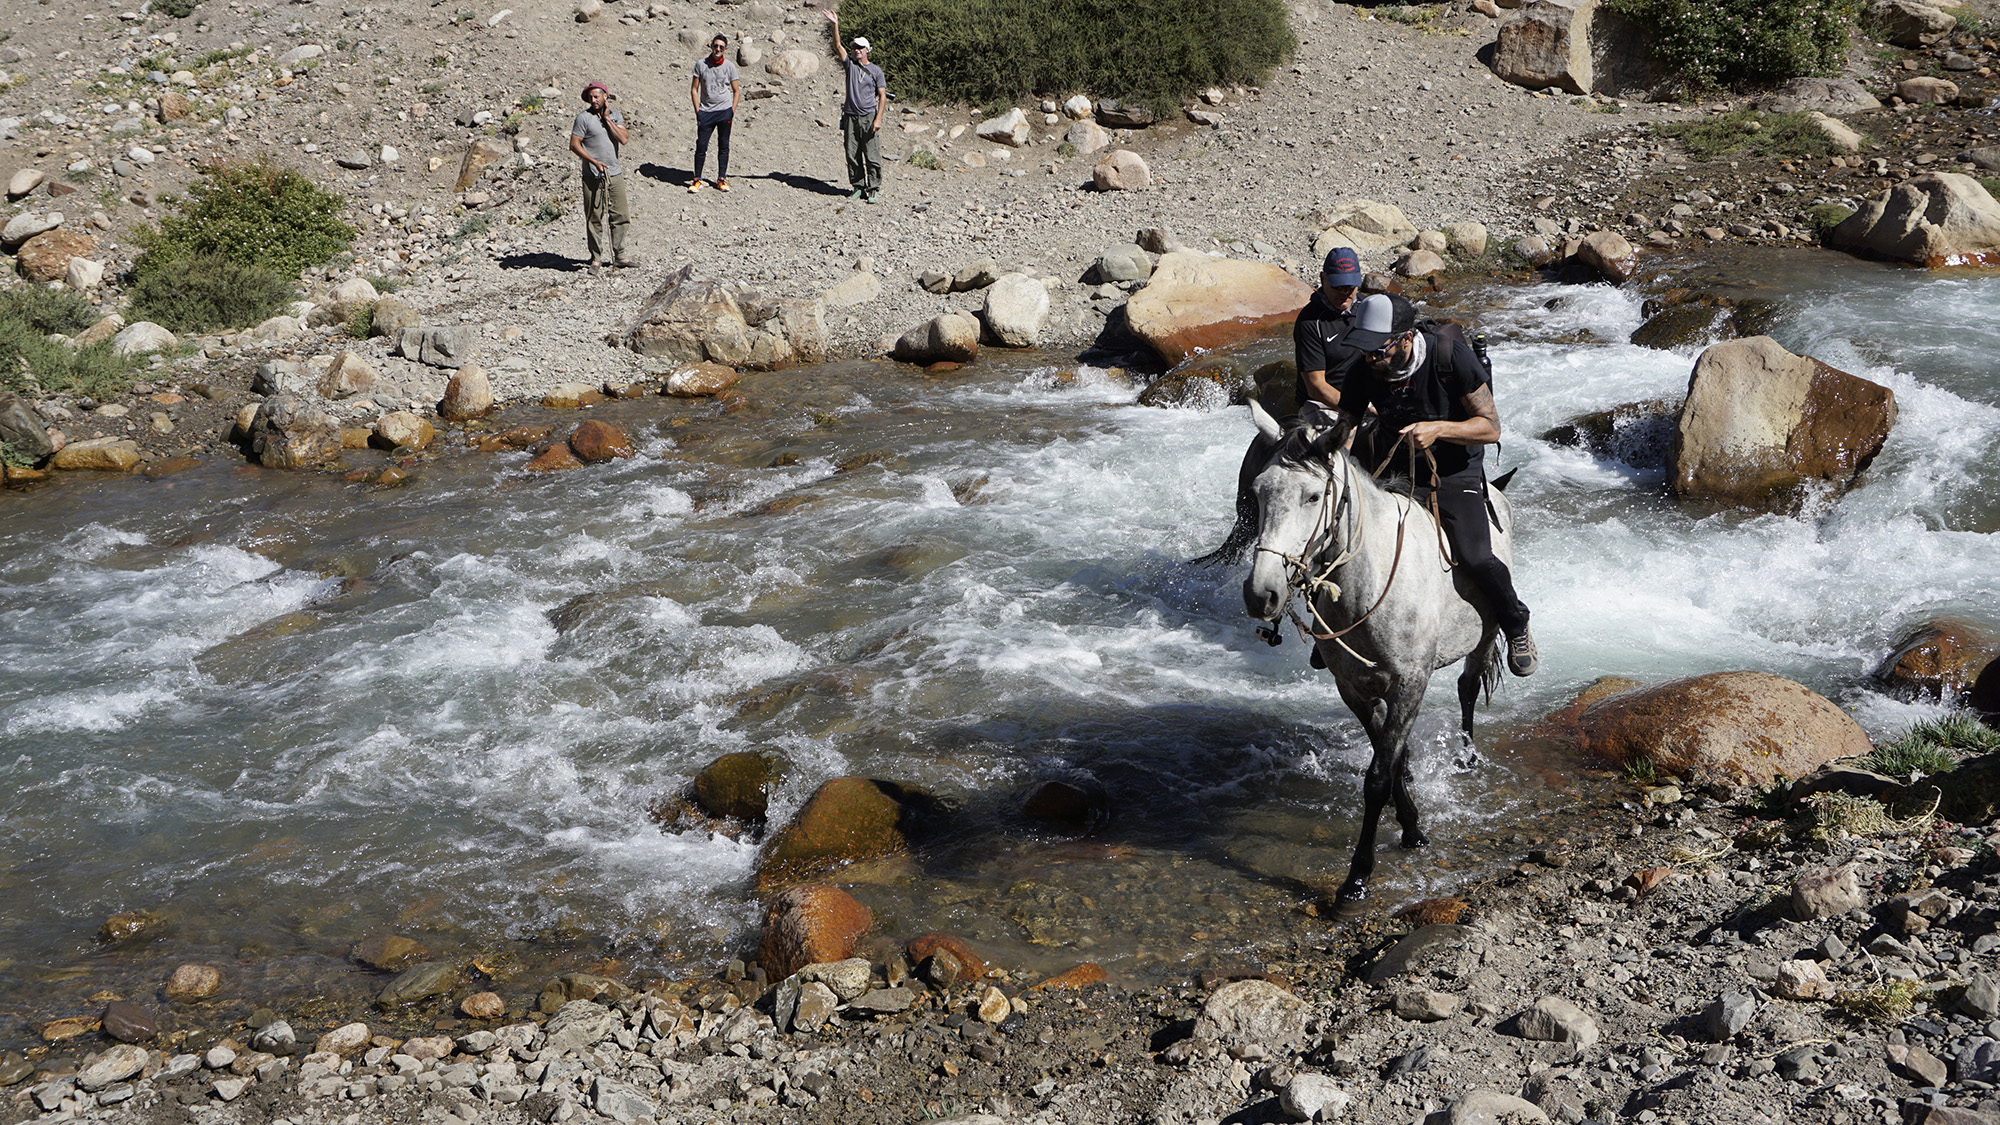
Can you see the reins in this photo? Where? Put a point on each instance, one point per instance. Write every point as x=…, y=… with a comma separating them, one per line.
x=1299, y=578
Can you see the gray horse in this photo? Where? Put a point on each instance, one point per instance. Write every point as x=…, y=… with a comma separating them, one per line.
x=1386, y=607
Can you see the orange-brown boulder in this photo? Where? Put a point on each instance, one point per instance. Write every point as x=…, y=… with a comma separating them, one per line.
x=517, y=437
x=847, y=819
x=554, y=459
x=1072, y=980
x=1761, y=427
x=1724, y=726
x=1940, y=659
x=811, y=925
x=594, y=441
x=46, y=256
x=1194, y=303
x=738, y=785
x=971, y=965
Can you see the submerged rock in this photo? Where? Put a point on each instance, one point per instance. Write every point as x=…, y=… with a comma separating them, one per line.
x=1940, y=659
x=738, y=785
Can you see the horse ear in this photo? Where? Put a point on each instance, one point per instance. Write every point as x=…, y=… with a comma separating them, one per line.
x=1266, y=425
x=1329, y=439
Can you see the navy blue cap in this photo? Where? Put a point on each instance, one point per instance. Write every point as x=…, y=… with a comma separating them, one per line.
x=1343, y=267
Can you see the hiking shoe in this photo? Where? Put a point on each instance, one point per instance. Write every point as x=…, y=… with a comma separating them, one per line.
x=722, y=184
x=1521, y=659
x=593, y=266
x=625, y=263
x=857, y=193
x=694, y=187
x=871, y=197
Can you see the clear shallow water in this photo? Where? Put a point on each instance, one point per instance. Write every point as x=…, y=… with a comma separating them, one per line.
x=289, y=712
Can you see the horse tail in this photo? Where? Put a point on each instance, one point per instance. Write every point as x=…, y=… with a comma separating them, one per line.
x=1490, y=662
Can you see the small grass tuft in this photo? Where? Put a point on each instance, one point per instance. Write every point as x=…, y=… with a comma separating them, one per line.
x=1888, y=1002
x=550, y=211
x=1826, y=216
x=1933, y=746
x=31, y=364
x=1641, y=769
x=924, y=158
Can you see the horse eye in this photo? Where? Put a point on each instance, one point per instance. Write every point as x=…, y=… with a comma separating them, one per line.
x=1314, y=498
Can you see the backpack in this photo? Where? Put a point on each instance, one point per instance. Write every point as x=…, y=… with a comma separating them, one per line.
x=1452, y=333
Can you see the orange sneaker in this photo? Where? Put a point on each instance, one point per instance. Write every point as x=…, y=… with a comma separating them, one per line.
x=722, y=185
x=694, y=187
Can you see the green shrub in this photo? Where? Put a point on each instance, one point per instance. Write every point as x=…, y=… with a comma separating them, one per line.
x=926, y=159
x=1933, y=747
x=34, y=365
x=179, y=9
x=1151, y=52
x=1991, y=184
x=253, y=213
x=1720, y=44
x=207, y=293
x=551, y=210
x=1748, y=132
x=1826, y=216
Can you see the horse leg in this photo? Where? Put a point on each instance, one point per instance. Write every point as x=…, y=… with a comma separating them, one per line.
x=1477, y=667
x=1388, y=724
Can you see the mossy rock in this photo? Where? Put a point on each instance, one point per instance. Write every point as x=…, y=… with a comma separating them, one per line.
x=1689, y=325
x=1208, y=382
x=847, y=819
x=738, y=785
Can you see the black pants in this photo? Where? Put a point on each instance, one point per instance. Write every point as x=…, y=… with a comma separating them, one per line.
x=720, y=127
x=1461, y=504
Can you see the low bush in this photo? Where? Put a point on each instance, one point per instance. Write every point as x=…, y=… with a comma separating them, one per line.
x=1826, y=216
x=32, y=364
x=1151, y=52
x=256, y=213
x=179, y=9
x=231, y=254
x=1724, y=44
x=207, y=293
x=1749, y=132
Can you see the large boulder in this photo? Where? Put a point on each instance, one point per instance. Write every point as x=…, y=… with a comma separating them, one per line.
x=846, y=819
x=468, y=395
x=1724, y=726
x=811, y=925
x=142, y=337
x=1087, y=137
x=1365, y=225
x=1925, y=90
x=1908, y=23
x=1935, y=219
x=1113, y=114
x=27, y=225
x=1016, y=305
x=23, y=429
x=1121, y=170
x=1197, y=303
x=1547, y=43
x=738, y=785
x=1833, y=96
x=1010, y=129
x=698, y=379
x=690, y=318
x=1206, y=382
x=46, y=256
x=104, y=454
x=1608, y=254
x=795, y=63
x=1762, y=426
x=290, y=432
x=1939, y=659
x=482, y=152
x=951, y=337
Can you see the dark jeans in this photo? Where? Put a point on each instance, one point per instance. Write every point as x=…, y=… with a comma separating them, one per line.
x=718, y=123
x=1461, y=502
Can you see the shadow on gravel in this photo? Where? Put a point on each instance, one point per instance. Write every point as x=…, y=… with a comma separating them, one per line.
x=803, y=183
x=542, y=260
x=680, y=177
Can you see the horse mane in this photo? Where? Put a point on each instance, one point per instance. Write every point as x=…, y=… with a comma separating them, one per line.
x=1300, y=449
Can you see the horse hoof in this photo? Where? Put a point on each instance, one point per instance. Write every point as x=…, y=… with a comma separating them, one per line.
x=1350, y=903
x=1414, y=840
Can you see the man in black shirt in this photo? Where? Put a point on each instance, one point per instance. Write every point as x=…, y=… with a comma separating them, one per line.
x=1431, y=391
x=1322, y=363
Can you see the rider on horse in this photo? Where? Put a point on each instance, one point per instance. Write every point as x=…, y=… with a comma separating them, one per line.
x=1432, y=391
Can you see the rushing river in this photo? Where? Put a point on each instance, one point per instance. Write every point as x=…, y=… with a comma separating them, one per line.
x=287, y=712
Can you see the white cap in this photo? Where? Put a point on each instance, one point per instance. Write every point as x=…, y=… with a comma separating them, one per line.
x=861, y=42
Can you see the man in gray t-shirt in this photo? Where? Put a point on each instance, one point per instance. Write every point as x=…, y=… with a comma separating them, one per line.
x=861, y=115
x=595, y=137
x=714, y=92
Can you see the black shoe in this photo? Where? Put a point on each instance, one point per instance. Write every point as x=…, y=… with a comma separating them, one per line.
x=1521, y=658
x=624, y=262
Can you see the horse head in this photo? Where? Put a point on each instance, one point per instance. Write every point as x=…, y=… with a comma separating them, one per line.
x=1297, y=495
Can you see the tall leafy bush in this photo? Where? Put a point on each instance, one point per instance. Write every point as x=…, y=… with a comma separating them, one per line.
x=1724, y=44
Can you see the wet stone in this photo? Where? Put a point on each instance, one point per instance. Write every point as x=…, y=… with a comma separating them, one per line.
x=420, y=982
x=14, y=1068
x=275, y=1037
x=128, y=1022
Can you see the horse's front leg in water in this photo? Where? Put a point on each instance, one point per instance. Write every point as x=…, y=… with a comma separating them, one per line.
x=1406, y=806
x=1375, y=791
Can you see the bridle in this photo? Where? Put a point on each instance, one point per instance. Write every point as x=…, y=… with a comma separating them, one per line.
x=1300, y=577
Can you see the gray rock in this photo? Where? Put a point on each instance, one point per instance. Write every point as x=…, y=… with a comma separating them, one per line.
x=1831, y=96
x=883, y=1001
x=620, y=1102
x=1823, y=892
x=1981, y=999
x=14, y=1067
x=1413, y=950
x=1926, y=1068
x=1490, y=1107
x=1728, y=1015
x=1534, y=250
x=23, y=429
x=1129, y=262
x=1556, y=1020
x=579, y=1023
x=420, y=982
x=1987, y=159
x=289, y=432
x=1313, y=1097
x=1426, y=1005
x=1016, y=306
x=128, y=1022
x=357, y=159
x=229, y=1089
x=1116, y=115
x=848, y=979
x=1978, y=1060
x=816, y=1005
x=977, y=275
x=1907, y=23
x=114, y=1064
x=27, y=225
x=448, y=347
x=1253, y=1012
